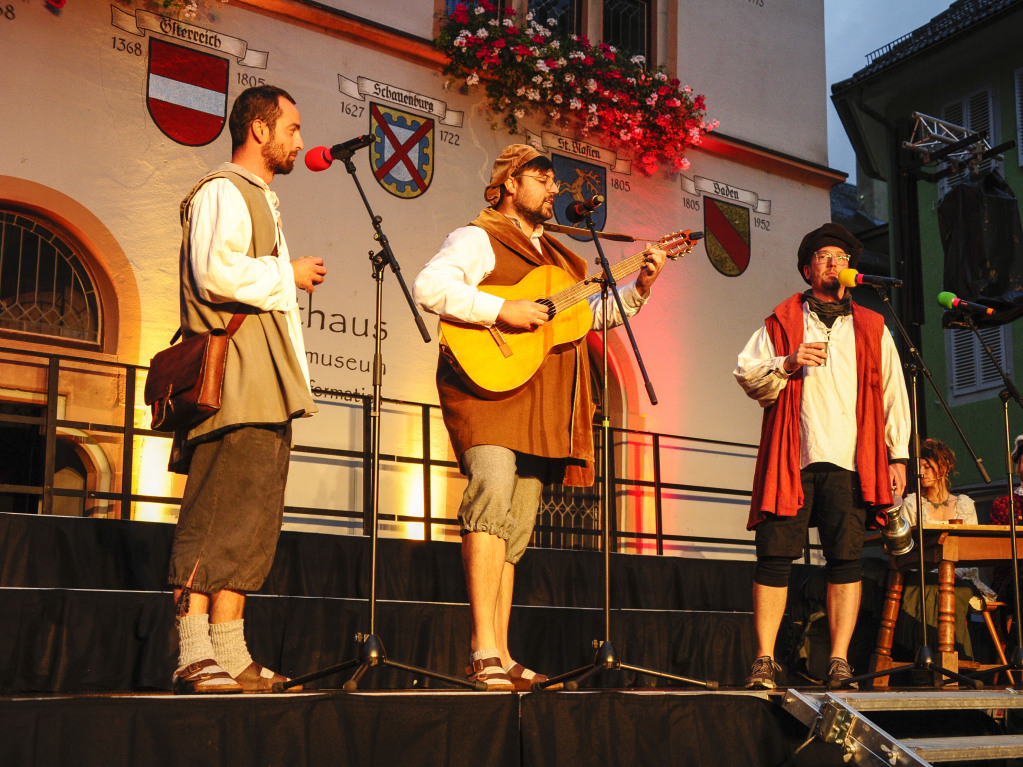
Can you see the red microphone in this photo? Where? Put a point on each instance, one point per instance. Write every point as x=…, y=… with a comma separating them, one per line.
x=318, y=158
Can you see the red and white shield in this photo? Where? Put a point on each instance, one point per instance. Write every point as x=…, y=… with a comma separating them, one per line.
x=187, y=94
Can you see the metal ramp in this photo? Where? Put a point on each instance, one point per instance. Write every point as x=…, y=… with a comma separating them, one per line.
x=839, y=717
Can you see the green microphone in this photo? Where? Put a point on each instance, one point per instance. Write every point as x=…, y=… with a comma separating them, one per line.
x=951, y=301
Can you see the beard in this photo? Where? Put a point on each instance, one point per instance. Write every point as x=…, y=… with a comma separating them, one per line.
x=537, y=214
x=830, y=285
x=278, y=159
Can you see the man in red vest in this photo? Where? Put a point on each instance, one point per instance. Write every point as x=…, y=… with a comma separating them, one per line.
x=511, y=444
x=833, y=445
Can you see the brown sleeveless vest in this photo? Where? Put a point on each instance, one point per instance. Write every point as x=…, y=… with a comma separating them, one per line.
x=551, y=415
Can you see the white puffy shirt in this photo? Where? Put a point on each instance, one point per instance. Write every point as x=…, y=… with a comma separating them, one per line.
x=827, y=423
x=447, y=285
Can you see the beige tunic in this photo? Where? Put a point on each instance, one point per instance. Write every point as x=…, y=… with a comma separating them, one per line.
x=263, y=383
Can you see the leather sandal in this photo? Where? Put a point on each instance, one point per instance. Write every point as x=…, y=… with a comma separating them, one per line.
x=256, y=678
x=524, y=679
x=204, y=677
x=491, y=673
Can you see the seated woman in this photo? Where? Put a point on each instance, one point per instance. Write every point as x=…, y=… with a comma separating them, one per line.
x=937, y=464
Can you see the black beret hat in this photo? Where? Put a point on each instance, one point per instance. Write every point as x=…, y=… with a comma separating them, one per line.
x=829, y=234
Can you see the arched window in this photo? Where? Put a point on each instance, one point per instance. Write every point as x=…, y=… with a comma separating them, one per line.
x=45, y=289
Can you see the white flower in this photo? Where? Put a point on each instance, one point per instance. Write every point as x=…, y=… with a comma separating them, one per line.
x=592, y=109
x=520, y=113
x=472, y=79
x=555, y=44
x=537, y=79
x=660, y=76
x=520, y=91
x=482, y=33
x=478, y=10
x=533, y=95
x=569, y=78
x=630, y=80
x=639, y=60
x=591, y=85
x=542, y=66
x=575, y=104
x=558, y=98
x=652, y=100
x=562, y=63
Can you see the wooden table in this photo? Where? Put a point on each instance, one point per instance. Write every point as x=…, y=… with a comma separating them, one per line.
x=944, y=546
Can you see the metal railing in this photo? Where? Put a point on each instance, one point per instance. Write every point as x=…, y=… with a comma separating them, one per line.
x=53, y=366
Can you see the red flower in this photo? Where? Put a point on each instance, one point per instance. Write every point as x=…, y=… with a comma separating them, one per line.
x=700, y=103
x=588, y=61
x=538, y=39
x=460, y=14
x=521, y=50
x=499, y=43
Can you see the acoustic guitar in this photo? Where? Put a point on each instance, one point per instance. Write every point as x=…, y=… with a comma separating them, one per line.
x=501, y=358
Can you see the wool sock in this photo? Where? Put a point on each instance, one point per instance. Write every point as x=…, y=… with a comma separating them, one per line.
x=229, y=648
x=194, y=639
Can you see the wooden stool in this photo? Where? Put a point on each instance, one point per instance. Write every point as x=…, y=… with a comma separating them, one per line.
x=996, y=639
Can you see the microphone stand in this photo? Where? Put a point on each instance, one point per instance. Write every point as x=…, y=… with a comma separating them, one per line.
x=924, y=658
x=371, y=649
x=606, y=658
x=1009, y=392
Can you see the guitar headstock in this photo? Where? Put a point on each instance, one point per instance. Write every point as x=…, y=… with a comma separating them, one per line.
x=678, y=244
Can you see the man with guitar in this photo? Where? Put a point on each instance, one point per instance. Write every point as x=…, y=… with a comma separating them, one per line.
x=510, y=440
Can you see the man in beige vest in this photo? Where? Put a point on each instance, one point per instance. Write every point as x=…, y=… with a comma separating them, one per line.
x=511, y=445
x=234, y=262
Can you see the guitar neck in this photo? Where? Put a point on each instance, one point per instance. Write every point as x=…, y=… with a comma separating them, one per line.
x=588, y=287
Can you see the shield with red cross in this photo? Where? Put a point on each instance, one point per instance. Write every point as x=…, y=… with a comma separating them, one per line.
x=402, y=156
x=187, y=92
x=727, y=232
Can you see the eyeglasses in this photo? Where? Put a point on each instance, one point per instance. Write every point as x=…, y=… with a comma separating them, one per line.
x=550, y=182
x=840, y=258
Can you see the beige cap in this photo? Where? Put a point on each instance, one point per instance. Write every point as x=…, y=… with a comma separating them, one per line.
x=507, y=165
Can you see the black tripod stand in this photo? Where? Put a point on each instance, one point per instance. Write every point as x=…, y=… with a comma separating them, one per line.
x=371, y=649
x=606, y=658
x=924, y=659
x=1009, y=392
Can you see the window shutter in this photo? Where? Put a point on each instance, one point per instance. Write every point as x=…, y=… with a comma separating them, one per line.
x=970, y=369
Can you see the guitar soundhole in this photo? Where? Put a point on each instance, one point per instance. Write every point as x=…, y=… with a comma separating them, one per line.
x=551, y=311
